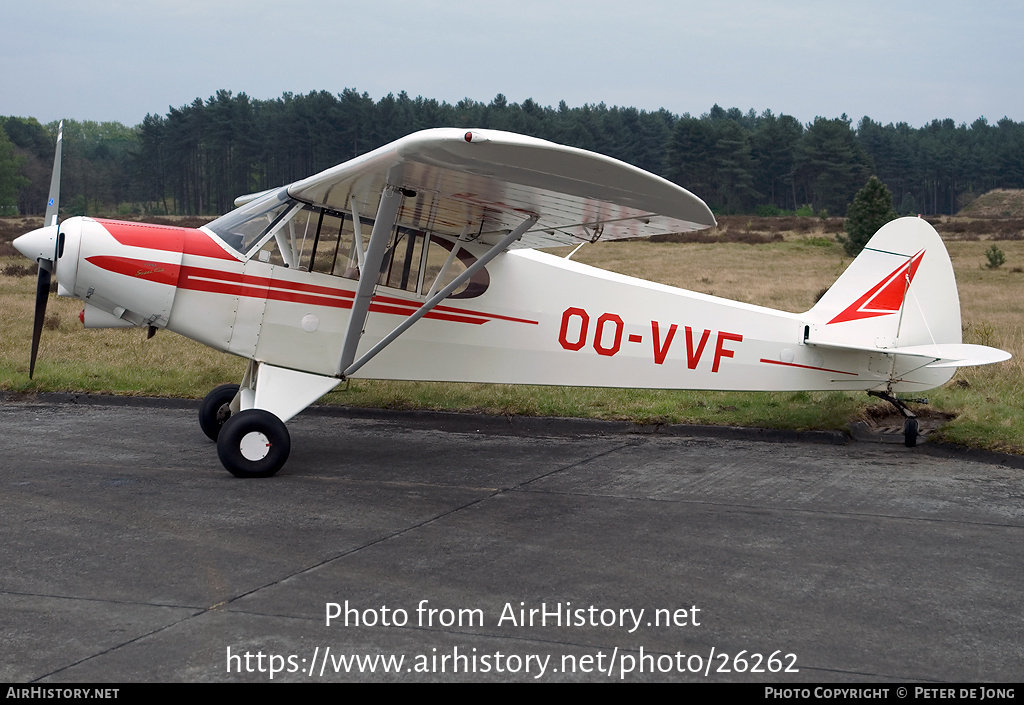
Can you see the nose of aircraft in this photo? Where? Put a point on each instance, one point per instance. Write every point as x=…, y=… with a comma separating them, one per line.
x=39, y=244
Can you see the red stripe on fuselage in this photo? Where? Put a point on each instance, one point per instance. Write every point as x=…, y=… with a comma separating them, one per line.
x=218, y=281
x=242, y=281
x=383, y=308
x=159, y=272
x=414, y=305
x=196, y=242
x=807, y=367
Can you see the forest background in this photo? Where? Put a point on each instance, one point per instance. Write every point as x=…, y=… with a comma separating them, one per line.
x=197, y=158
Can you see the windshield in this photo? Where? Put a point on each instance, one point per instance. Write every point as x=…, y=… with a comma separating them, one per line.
x=244, y=228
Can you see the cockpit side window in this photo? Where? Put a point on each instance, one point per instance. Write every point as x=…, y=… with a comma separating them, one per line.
x=403, y=261
x=333, y=247
x=284, y=232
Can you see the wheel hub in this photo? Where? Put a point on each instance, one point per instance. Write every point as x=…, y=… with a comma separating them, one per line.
x=223, y=413
x=254, y=446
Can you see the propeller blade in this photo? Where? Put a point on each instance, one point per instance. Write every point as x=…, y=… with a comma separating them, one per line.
x=53, y=201
x=53, y=204
x=47, y=265
x=42, y=295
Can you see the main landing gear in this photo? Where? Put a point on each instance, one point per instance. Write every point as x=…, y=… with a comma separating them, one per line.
x=250, y=443
x=911, y=425
x=253, y=443
x=216, y=409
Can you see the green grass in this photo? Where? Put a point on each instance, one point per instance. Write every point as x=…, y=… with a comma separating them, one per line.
x=791, y=410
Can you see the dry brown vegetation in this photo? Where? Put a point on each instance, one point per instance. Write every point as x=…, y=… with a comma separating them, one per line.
x=756, y=230
x=11, y=228
x=998, y=203
x=964, y=228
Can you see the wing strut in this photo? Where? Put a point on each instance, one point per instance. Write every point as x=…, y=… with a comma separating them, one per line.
x=437, y=298
x=357, y=233
x=369, y=271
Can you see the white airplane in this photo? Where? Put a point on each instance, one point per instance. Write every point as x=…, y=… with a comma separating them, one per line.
x=417, y=261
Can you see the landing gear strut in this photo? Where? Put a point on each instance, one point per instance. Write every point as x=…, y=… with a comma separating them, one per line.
x=911, y=425
x=248, y=420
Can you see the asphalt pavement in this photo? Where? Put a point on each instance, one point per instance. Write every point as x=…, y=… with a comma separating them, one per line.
x=421, y=547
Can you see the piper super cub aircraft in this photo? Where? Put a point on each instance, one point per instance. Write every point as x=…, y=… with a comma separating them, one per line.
x=417, y=261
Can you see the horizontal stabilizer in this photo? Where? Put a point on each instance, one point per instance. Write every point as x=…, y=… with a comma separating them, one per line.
x=943, y=354
x=958, y=354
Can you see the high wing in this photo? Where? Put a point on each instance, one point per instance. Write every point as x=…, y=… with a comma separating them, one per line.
x=494, y=188
x=480, y=184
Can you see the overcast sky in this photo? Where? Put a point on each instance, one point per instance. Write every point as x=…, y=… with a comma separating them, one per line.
x=893, y=60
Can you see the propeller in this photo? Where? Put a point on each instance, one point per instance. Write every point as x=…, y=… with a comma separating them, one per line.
x=43, y=245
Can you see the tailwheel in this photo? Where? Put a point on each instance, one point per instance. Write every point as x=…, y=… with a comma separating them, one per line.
x=253, y=443
x=216, y=409
x=911, y=428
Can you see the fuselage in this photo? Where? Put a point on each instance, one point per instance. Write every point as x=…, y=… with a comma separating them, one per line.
x=532, y=319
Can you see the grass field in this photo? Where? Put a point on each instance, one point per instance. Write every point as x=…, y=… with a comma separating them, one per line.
x=787, y=269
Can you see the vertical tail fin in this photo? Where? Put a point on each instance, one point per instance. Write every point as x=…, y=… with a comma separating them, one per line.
x=900, y=291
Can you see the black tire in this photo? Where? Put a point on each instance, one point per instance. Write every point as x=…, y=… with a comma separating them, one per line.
x=215, y=411
x=244, y=452
x=911, y=428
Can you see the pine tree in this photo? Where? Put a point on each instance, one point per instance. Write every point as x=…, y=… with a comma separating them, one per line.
x=10, y=178
x=829, y=163
x=870, y=210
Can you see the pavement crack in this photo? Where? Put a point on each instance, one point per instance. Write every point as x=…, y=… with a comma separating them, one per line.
x=425, y=522
x=103, y=600
x=114, y=648
x=308, y=569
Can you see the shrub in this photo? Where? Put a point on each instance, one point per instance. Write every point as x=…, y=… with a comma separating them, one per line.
x=870, y=210
x=996, y=258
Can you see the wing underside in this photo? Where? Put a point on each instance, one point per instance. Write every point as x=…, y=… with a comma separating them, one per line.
x=480, y=184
